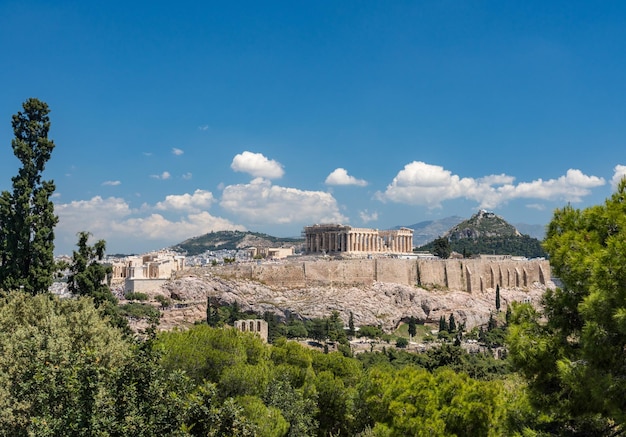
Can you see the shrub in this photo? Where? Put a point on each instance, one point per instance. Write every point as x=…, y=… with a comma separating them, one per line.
x=138, y=310
x=132, y=295
x=164, y=301
x=402, y=342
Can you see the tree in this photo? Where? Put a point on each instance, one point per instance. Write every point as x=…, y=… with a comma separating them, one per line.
x=498, y=297
x=88, y=275
x=412, y=327
x=491, y=324
x=351, y=330
x=27, y=217
x=442, y=248
x=575, y=361
x=443, y=324
x=452, y=324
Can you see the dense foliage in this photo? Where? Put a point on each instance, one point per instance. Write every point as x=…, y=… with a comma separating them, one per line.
x=574, y=360
x=510, y=245
x=66, y=371
x=27, y=218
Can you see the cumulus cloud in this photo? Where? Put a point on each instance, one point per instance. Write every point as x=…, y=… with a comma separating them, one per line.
x=176, y=151
x=619, y=172
x=200, y=199
x=366, y=217
x=257, y=165
x=204, y=127
x=163, y=176
x=111, y=183
x=420, y=183
x=133, y=230
x=261, y=202
x=340, y=176
x=187, y=176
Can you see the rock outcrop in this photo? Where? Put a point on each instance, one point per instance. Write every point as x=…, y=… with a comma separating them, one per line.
x=385, y=304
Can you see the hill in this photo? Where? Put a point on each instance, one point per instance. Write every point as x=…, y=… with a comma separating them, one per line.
x=231, y=240
x=487, y=233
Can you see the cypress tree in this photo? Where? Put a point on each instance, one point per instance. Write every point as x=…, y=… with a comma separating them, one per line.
x=498, y=297
x=452, y=324
x=27, y=217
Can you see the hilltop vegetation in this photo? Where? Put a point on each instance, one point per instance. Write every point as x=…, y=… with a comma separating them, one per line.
x=486, y=233
x=231, y=240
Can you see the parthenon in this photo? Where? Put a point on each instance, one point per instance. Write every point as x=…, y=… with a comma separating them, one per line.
x=340, y=238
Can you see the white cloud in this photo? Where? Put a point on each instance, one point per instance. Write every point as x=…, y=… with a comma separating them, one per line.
x=176, y=151
x=203, y=127
x=340, y=176
x=618, y=173
x=366, y=217
x=112, y=183
x=163, y=176
x=187, y=176
x=186, y=202
x=261, y=202
x=132, y=230
x=429, y=185
x=257, y=165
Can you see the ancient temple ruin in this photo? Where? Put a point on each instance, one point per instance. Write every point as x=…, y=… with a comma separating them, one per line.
x=328, y=238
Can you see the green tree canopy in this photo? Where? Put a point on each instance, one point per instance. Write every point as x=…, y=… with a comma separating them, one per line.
x=441, y=248
x=27, y=216
x=575, y=362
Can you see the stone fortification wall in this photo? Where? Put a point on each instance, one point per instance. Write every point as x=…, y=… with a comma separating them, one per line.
x=463, y=275
x=397, y=271
x=345, y=272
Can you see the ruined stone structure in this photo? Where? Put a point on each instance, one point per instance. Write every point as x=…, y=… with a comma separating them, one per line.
x=271, y=252
x=256, y=326
x=146, y=272
x=461, y=275
x=336, y=238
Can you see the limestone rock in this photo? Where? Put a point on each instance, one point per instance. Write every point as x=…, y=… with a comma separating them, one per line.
x=384, y=304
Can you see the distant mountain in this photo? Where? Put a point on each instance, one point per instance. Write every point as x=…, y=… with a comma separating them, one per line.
x=232, y=240
x=535, y=231
x=427, y=231
x=487, y=233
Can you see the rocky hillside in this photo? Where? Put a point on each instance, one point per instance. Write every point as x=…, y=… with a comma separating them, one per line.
x=488, y=233
x=232, y=240
x=384, y=304
x=482, y=224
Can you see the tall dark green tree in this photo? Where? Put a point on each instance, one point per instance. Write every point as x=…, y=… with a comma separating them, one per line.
x=88, y=276
x=351, y=328
x=412, y=327
x=442, y=248
x=27, y=216
x=498, y=297
x=452, y=324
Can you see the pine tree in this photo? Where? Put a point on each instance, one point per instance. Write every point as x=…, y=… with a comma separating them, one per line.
x=27, y=217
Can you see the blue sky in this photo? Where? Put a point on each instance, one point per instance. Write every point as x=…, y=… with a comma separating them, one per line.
x=172, y=119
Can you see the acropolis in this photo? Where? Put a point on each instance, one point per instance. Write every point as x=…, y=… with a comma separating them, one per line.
x=326, y=238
